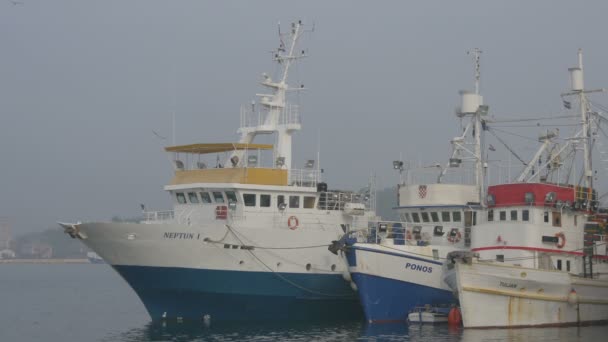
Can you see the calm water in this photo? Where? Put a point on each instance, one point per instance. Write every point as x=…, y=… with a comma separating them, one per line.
x=91, y=303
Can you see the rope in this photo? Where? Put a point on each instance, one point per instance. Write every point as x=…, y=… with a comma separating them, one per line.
x=506, y=146
x=233, y=231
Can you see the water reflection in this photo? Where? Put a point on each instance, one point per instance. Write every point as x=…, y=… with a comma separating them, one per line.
x=346, y=331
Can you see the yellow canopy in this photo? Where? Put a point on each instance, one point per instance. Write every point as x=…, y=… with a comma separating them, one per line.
x=216, y=148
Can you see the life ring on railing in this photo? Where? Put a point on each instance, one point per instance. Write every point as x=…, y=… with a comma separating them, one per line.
x=293, y=222
x=561, y=240
x=454, y=236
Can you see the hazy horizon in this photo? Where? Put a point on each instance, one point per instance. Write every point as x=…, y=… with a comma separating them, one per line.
x=84, y=84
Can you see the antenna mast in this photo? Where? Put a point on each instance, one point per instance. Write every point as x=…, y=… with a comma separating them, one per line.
x=281, y=118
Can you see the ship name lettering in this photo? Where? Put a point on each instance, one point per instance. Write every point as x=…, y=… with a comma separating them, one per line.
x=420, y=268
x=179, y=236
x=511, y=285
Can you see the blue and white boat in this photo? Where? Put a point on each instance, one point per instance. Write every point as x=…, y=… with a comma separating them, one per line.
x=397, y=266
x=247, y=237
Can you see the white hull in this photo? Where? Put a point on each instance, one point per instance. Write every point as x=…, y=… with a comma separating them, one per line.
x=494, y=295
x=213, y=246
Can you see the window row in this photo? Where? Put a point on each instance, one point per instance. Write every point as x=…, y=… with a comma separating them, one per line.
x=206, y=197
x=265, y=201
x=513, y=215
x=250, y=200
x=433, y=216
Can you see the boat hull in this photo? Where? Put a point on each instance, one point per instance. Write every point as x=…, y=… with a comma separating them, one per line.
x=188, y=272
x=502, y=296
x=192, y=294
x=390, y=283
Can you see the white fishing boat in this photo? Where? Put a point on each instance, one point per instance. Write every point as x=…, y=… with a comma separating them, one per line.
x=534, y=259
x=428, y=315
x=397, y=266
x=247, y=237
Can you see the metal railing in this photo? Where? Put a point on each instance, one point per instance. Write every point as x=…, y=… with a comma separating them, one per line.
x=336, y=200
x=403, y=233
x=155, y=216
x=304, y=177
x=290, y=115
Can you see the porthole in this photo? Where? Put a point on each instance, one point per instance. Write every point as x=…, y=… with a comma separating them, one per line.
x=333, y=267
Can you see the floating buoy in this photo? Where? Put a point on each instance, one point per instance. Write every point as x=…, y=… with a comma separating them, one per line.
x=572, y=297
x=454, y=317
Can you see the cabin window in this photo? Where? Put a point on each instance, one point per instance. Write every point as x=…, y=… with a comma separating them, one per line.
x=503, y=215
x=500, y=257
x=559, y=264
x=192, y=197
x=249, y=200
x=434, y=216
x=456, y=216
x=568, y=265
x=438, y=231
x=205, y=197
x=513, y=215
x=416, y=217
x=474, y=218
x=425, y=217
x=280, y=199
x=231, y=196
x=445, y=216
x=407, y=217
x=265, y=201
x=525, y=215
x=557, y=218
x=309, y=202
x=294, y=201
x=575, y=220
x=546, y=217
x=181, y=199
x=490, y=215
x=218, y=197
x=436, y=254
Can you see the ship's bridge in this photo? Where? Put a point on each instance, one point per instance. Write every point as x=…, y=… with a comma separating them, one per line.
x=201, y=163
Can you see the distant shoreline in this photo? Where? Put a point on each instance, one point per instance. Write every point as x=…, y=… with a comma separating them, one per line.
x=45, y=261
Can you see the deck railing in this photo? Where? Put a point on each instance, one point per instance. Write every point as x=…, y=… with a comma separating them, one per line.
x=156, y=216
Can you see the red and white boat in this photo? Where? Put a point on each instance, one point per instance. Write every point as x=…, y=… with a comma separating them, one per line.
x=536, y=258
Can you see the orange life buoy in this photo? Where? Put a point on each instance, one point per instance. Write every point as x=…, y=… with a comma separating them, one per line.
x=221, y=212
x=561, y=240
x=454, y=237
x=292, y=222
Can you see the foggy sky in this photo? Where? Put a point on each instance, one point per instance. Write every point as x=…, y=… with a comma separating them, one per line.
x=84, y=83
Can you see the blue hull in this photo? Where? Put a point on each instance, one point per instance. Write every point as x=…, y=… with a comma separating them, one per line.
x=235, y=295
x=390, y=300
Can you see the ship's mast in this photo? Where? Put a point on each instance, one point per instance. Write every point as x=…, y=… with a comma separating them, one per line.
x=479, y=160
x=470, y=149
x=280, y=118
x=585, y=120
x=578, y=89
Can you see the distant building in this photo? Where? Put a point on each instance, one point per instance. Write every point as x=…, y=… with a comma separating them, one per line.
x=7, y=254
x=6, y=235
x=36, y=250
